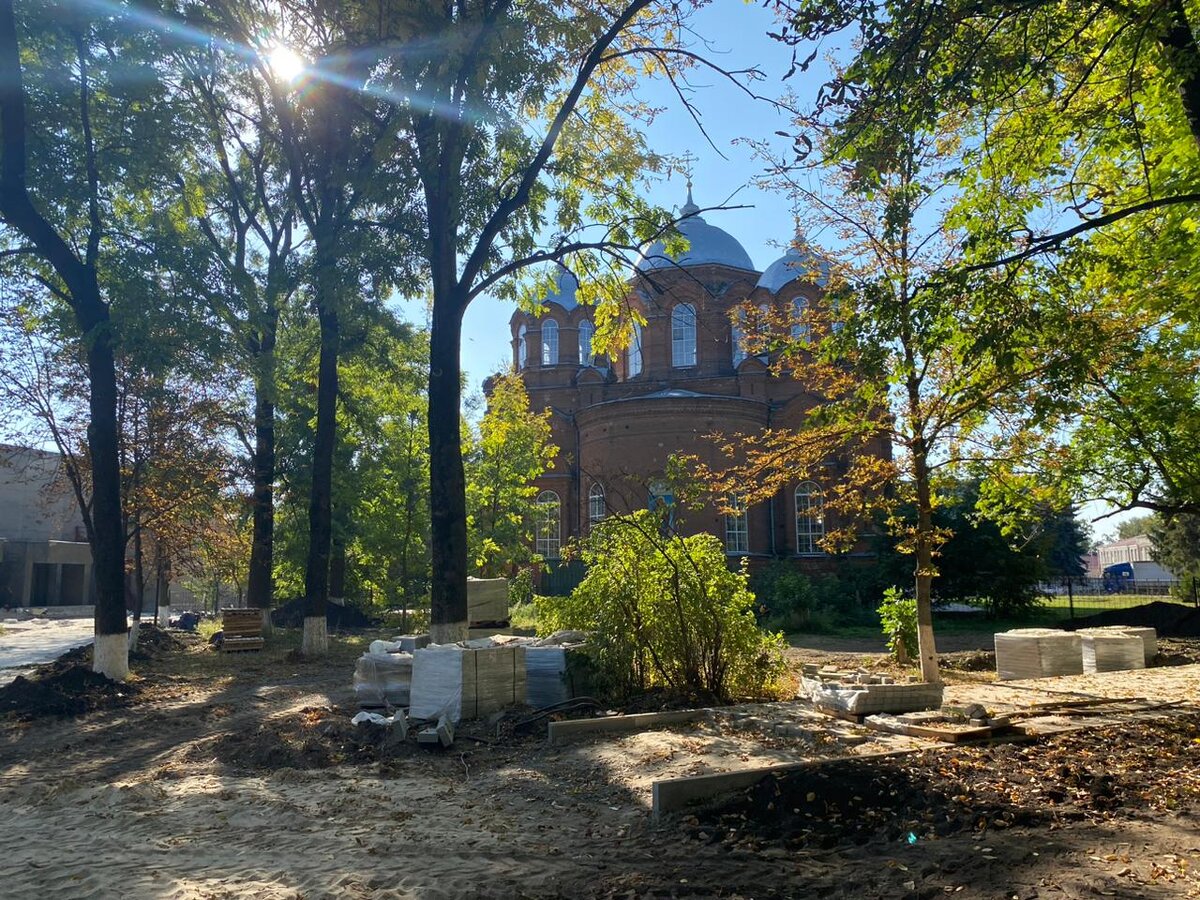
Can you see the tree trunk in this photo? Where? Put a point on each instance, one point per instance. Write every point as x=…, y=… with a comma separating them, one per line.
x=1182, y=50
x=316, y=575
x=924, y=571
x=107, y=533
x=447, y=483
x=139, y=582
x=260, y=582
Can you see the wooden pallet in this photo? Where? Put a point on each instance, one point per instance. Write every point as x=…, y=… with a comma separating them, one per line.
x=242, y=630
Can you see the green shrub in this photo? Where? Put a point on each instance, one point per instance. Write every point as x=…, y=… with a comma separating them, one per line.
x=666, y=612
x=520, y=588
x=898, y=616
x=789, y=600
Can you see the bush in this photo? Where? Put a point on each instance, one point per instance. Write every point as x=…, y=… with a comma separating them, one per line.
x=666, y=612
x=898, y=616
x=789, y=600
x=520, y=588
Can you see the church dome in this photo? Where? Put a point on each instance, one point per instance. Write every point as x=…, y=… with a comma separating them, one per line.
x=708, y=245
x=793, y=265
x=565, y=286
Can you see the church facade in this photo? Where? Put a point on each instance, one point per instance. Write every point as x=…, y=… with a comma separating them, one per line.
x=684, y=376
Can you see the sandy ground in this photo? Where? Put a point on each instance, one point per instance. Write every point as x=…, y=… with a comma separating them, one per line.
x=30, y=642
x=172, y=799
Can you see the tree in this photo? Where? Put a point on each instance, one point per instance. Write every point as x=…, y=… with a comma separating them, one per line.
x=1176, y=544
x=512, y=450
x=1080, y=180
x=233, y=231
x=1136, y=526
x=78, y=132
x=519, y=130
x=900, y=353
x=379, y=486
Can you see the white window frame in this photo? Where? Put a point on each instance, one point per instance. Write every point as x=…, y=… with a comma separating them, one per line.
x=683, y=335
x=737, y=334
x=586, y=331
x=633, y=354
x=737, y=529
x=800, y=329
x=597, y=505
x=549, y=343
x=522, y=348
x=548, y=528
x=810, y=518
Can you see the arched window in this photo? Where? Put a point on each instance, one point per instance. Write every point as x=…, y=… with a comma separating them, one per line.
x=737, y=336
x=586, y=330
x=683, y=335
x=548, y=525
x=737, y=531
x=597, y=509
x=522, y=348
x=549, y=343
x=633, y=355
x=810, y=518
x=800, y=331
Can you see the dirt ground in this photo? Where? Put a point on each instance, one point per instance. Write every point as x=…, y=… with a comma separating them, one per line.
x=240, y=776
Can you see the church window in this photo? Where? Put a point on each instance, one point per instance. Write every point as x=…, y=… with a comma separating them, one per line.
x=586, y=332
x=549, y=525
x=549, y=343
x=810, y=518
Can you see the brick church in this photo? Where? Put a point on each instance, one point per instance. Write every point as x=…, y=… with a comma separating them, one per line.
x=684, y=375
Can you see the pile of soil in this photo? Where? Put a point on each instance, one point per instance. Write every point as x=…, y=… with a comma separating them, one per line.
x=1133, y=770
x=1168, y=619
x=155, y=641
x=315, y=738
x=291, y=615
x=969, y=661
x=63, y=689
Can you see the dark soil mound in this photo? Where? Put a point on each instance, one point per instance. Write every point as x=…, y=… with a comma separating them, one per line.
x=63, y=689
x=1168, y=619
x=155, y=640
x=968, y=661
x=1137, y=770
x=291, y=615
x=315, y=738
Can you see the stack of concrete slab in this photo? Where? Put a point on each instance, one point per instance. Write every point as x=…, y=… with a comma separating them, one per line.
x=1038, y=653
x=466, y=681
x=383, y=678
x=410, y=642
x=1148, y=636
x=1112, y=651
x=864, y=697
x=487, y=602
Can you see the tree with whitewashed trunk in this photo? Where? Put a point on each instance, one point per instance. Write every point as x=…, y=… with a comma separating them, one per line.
x=84, y=128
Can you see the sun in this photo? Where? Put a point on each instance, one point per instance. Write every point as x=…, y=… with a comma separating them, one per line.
x=286, y=63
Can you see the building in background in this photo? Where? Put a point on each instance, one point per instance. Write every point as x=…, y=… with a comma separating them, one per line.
x=45, y=559
x=684, y=376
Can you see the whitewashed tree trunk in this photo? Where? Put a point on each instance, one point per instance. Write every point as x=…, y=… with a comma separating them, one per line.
x=110, y=656
x=447, y=632
x=316, y=636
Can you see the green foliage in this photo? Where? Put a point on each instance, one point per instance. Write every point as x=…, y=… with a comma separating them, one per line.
x=520, y=588
x=1138, y=525
x=898, y=618
x=511, y=450
x=381, y=460
x=1176, y=544
x=667, y=612
x=791, y=601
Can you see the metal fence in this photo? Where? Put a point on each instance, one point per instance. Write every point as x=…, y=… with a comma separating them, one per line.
x=1081, y=596
x=559, y=578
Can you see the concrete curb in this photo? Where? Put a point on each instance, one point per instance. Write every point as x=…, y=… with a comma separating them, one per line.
x=580, y=729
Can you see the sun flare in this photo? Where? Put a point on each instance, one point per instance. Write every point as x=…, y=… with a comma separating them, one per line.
x=286, y=63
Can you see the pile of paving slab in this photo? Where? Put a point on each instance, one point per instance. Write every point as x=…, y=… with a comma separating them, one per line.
x=1048, y=652
x=861, y=693
x=447, y=683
